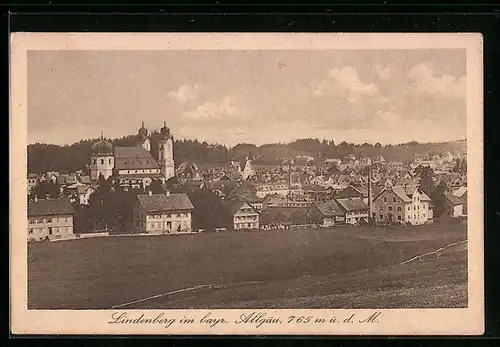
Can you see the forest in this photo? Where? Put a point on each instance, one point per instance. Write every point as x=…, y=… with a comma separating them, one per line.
x=49, y=157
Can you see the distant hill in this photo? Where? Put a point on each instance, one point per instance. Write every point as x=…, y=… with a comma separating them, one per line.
x=48, y=157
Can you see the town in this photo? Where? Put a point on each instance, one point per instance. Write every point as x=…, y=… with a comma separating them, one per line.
x=141, y=189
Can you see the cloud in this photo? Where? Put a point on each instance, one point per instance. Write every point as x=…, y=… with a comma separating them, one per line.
x=345, y=83
x=221, y=110
x=185, y=93
x=427, y=84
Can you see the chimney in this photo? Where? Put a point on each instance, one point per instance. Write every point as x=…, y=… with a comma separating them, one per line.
x=167, y=192
x=150, y=192
x=36, y=198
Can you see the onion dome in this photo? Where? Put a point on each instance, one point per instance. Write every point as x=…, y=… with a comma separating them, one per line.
x=165, y=131
x=102, y=147
x=143, y=132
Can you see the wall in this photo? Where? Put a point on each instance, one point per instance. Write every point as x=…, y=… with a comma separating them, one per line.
x=39, y=227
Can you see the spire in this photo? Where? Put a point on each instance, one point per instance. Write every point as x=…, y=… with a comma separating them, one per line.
x=164, y=123
x=101, y=135
x=142, y=124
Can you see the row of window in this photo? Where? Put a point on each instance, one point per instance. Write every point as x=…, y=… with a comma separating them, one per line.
x=415, y=216
x=139, y=171
x=416, y=198
x=49, y=230
x=389, y=208
x=169, y=215
x=246, y=225
x=47, y=220
x=245, y=218
x=102, y=161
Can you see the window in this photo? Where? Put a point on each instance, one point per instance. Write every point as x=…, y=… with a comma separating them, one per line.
x=381, y=216
x=93, y=161
x=385, y=199
x=30, y=231
x=409, y=208
x=390, y=208
x=418, y=207
x=39, y=221
x=414, y=216
x=110, y=161
x=381, y=207
x=178, y=215
x=393, y=199
x=423, y=215
x=102, y=161
x=399, y=217
x=399, y=208
x=409, y=216
x=49, y=220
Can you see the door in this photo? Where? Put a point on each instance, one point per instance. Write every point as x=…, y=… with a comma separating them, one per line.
x=50, y=230
x=390, y=218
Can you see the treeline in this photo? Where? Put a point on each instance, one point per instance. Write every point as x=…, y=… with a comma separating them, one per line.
x=47, y=157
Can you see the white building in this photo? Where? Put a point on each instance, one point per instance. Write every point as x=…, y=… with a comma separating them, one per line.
x=163, y=213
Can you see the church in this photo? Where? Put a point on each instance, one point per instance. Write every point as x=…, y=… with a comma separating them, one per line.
x=134, y=167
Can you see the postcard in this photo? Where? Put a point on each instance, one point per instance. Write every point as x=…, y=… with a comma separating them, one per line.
x=246, y=183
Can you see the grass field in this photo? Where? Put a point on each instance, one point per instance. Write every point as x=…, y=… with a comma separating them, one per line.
x=344, y=267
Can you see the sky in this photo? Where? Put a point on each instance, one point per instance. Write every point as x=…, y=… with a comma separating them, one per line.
x=253, y=96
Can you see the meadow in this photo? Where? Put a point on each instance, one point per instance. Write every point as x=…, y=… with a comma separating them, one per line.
x=342, y=267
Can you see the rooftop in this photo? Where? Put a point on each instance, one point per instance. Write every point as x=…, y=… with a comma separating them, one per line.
x=163, y=202
x=50, y=207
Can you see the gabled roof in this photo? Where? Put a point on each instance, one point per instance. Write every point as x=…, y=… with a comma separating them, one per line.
x=329, y=208
x=235, y=205
x=454, y=200
x=162, y=202
x=352, y=204
x=61, y=206
x=460, y=191
x=134, y=158
x=398, y=190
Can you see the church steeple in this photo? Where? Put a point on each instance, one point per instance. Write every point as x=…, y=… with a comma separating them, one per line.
x=143, y=138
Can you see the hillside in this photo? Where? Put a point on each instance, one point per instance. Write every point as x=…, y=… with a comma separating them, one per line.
x=49, y=157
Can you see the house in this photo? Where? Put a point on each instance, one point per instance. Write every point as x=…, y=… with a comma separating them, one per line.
x=84, y=192
x=163, y=213
x=403, y=204
x=354, y=191
x=248, y=170
x=243, y=215
x=50, y=219
x=355, y=210
x=327, y=213
x=453, y=205
x=461, y=193
x=32, y=181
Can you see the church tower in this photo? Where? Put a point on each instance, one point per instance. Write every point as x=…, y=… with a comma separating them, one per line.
x=143, y=138
x=102, y=160
x=166, y=152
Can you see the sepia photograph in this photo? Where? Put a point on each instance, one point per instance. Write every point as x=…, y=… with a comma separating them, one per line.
x=250, y=178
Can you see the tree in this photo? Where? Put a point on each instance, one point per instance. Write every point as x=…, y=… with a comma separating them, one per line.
x=46, y=189
x=378, y=145
x=157, y=187
x=102, y=212
x=426, y=180
x=438, y=198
